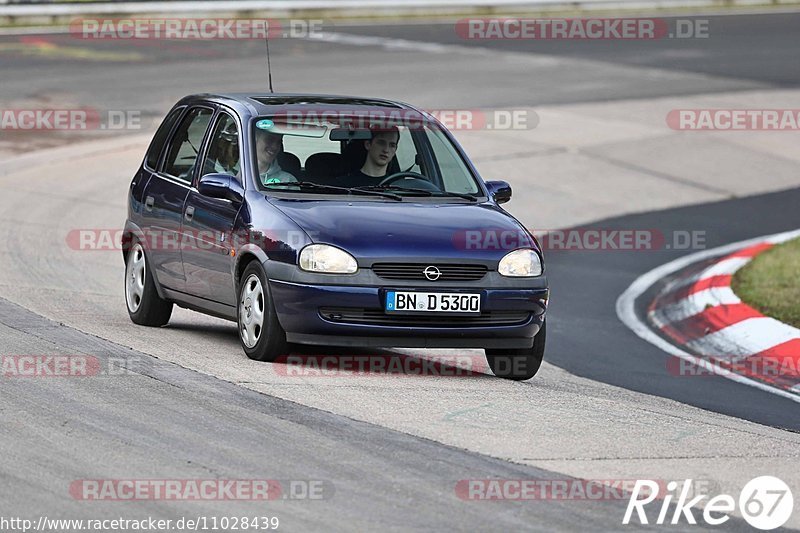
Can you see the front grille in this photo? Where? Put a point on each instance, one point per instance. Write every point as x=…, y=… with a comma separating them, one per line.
x=414, y=271
x=377, y=317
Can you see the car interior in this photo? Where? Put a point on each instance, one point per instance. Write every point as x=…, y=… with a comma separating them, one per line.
x=325, y=167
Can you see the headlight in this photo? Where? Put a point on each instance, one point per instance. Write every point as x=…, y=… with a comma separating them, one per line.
x=520, y=264
x=327, y=259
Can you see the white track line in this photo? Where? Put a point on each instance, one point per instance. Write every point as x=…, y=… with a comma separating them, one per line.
x=726, y=267
x=626, y=310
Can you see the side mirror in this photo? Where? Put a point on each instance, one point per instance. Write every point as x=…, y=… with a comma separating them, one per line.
x=221, y=186
x=499, y=190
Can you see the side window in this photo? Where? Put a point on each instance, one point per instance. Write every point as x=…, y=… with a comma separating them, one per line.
x=223, y=153
x=185, y=145
x=455, y=174
x=407, y=152
x=160, y=138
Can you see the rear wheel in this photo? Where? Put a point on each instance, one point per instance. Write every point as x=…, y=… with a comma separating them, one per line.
x=145, y=306
x=262, y=337
x=520, y=364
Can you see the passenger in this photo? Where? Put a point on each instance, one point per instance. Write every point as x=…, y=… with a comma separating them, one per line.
x=226, y=159
x=268, y=146
x=381, y=150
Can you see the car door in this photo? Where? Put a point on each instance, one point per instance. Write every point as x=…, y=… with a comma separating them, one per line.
x=208, y=222
x=165, y=196
x=136, y=212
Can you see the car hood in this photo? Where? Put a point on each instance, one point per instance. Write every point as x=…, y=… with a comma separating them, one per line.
x=383, y=230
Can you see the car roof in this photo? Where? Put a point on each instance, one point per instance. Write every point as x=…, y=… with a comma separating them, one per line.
x=257, y=104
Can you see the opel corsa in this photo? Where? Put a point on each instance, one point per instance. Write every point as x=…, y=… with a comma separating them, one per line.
x=265, y=210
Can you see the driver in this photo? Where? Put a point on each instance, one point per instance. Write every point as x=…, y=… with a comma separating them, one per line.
x=380, y=152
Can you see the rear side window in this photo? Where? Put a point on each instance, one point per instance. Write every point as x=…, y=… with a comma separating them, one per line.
x=156, y=147
x=186, y=143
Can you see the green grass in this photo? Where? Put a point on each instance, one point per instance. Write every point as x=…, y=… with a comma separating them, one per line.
x=771, y=283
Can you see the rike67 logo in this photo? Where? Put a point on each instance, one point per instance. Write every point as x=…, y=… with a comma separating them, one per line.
x=765, y=502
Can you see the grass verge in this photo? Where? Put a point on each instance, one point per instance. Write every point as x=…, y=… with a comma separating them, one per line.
x=771, y=283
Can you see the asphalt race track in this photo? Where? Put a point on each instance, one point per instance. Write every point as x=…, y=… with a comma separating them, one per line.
x=645, y=366
x=388, y=448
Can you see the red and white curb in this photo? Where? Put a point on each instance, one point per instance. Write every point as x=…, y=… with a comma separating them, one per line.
x=718, y=333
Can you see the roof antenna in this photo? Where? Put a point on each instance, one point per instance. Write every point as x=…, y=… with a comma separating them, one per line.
x=269, y=63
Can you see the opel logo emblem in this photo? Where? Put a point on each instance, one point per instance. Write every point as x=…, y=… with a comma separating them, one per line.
x=432, y=273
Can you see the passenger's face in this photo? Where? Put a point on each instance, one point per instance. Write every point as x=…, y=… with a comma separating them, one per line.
x=231, y=151
x=268, y=146
x=382, y=147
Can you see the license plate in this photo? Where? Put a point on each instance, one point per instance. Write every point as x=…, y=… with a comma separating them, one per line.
x=433, y=302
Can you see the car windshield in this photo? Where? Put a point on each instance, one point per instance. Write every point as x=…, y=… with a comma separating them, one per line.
x=380, y=154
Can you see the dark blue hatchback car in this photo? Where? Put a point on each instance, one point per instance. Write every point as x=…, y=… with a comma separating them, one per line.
x=334, y=221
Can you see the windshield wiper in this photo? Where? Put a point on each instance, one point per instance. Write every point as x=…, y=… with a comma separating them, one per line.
x=423, y=192
x=311, y=186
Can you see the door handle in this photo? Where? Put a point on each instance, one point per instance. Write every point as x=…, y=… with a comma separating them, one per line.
x=148, y=203
x=189, y=213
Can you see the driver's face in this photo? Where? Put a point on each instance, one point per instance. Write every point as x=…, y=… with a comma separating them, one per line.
x=382, y=147
x=268, y=146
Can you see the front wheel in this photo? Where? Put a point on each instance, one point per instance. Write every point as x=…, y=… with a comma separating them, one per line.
x=262, y=337
x=520, y=364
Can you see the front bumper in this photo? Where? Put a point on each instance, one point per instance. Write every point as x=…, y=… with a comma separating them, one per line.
x=304, y=313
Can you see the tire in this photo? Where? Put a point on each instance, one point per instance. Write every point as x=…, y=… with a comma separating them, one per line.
x=145, y=306
x=262, y=339
x=521, y=364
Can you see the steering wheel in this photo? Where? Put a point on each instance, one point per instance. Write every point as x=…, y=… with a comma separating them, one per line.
x=418, y=180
